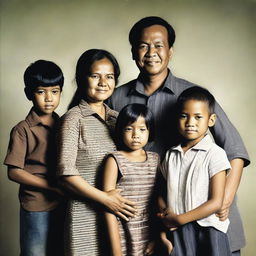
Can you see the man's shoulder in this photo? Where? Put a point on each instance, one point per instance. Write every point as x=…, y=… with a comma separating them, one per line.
x=181, y=84
x=125, y=87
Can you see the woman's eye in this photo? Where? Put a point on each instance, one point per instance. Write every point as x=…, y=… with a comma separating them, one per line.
x=94, y=76
x=110, y=77
x=143, y=129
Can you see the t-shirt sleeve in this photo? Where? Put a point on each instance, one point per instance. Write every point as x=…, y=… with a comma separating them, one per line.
x=227, y=137
x=68, y=137
x=17, y=148
x=218, y=161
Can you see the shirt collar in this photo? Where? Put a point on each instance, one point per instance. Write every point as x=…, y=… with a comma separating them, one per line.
x=33, y=119
x=203, y=144
x=139, y=86
x=87, y=111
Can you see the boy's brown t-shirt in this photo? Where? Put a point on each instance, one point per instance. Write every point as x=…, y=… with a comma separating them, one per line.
x=32, y=148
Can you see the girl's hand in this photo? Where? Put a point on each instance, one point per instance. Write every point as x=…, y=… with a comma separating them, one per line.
x=120, y=206
x=169, y=219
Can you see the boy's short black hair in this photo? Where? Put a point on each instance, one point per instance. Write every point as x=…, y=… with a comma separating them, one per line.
x=128, y=115
x=196, y=93
x=42, y=73
x=135, y=32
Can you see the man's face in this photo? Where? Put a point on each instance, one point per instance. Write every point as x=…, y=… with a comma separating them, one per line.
x=152, y=54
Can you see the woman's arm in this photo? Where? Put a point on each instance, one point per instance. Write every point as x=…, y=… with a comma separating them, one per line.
x=217, y=188
x=109, y=183
x=111, y=199
x=23, y=177
x=70, y=175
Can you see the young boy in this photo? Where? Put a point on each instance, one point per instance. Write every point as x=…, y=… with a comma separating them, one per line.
x=195, y=174
x=31, y=160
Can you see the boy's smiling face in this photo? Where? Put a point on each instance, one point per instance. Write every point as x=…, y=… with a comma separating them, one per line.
x=194, y=120
x=46, y=99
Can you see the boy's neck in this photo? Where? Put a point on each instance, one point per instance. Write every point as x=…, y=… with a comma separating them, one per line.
x=188, y=144
x=46, y=119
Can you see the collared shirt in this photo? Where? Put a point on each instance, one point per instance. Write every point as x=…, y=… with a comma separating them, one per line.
x=32, y=148
x=188, y=178
x=162, y=103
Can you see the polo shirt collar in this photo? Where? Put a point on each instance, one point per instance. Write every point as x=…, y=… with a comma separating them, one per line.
x=203, y=144
x=168, y=85
x=87, y=111
x=33, y=118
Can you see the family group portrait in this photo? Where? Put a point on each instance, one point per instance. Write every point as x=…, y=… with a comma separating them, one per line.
x=127, y=128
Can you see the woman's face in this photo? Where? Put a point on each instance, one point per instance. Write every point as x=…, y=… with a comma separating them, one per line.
x=101, y=81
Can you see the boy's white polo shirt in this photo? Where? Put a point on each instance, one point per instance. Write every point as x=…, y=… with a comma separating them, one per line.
x=188, y=177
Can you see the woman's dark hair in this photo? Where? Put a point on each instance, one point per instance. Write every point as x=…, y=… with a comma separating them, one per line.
x=42, y=73
x=128, y=115
x=83, y=70
x=196, y=93
x=135, y=32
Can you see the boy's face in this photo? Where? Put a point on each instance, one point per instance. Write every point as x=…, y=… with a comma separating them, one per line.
x=46, y=99
x=194, y=120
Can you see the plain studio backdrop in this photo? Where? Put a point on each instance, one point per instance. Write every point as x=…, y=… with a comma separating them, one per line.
x=215, y=47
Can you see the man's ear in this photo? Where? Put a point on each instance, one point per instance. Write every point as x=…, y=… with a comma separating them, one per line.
x=28, y=93
x=171, y=50
x=212, y=120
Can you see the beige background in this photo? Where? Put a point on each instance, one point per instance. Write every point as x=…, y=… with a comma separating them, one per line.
x=215, y=47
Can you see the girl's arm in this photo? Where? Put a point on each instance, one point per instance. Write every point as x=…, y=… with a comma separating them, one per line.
x=23, y=177
x=109, y=183
x=217, y=188
x=111, y=199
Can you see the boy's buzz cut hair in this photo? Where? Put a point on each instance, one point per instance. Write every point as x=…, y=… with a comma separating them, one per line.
x=42, y=73
x=196, y=93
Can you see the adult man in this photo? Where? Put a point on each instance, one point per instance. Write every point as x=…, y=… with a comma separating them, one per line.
x=152, y=41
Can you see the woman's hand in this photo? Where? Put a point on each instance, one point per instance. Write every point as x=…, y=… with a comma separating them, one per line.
x=120, y=206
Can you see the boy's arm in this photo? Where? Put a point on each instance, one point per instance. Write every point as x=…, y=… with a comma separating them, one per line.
x=109, y=183
x=23, y=177
x=217, y=187
x=232, y=183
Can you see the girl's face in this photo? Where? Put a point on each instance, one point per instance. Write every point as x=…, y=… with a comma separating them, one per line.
x=135, y=135
x=101, y=81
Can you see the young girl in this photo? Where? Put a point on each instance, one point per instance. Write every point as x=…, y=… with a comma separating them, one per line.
x=195, y=174
x=133, y=170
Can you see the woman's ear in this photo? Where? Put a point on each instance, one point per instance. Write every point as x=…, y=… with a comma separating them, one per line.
x=212, y=120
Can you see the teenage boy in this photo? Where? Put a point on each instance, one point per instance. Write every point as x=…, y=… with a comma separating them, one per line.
x=152, y=40
x=31, y=160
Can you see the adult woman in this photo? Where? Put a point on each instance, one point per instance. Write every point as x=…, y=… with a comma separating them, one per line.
x=85, y=139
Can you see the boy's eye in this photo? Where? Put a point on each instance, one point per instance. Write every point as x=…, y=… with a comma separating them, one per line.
x=199, y=117
x=55, y=91
x=40, y=92
x=143, y=129
x=182, y=116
